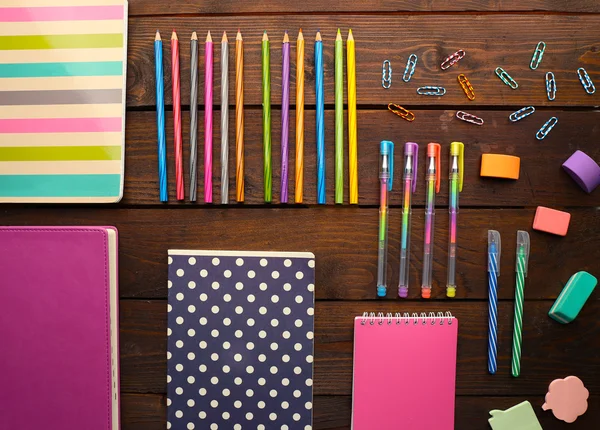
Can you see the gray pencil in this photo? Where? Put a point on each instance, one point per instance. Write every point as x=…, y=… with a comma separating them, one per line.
x=194, y=118
x=224, y=120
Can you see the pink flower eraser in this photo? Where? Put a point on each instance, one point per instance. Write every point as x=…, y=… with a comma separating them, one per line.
x=567, y=398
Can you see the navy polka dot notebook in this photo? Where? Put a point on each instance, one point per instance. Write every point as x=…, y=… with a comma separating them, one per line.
x=240, y=340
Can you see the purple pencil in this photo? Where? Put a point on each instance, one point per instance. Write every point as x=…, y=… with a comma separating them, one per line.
x=208, y=119
x=285, y=117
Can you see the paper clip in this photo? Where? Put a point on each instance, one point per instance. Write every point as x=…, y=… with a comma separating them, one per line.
x=466, y=86
x=543, y=132
x=401, y=112
x=411, y=64
x=537, y=55
x=550, y=86
x=586, y=81
x=431, y=91
x=386, y=74
x=453, y=59
x=506, y=78
x=469, y=118
x=521, y=113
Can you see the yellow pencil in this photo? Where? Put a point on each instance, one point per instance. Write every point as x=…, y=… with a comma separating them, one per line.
x=352, y=127
x=300, y=118
x=239, y=116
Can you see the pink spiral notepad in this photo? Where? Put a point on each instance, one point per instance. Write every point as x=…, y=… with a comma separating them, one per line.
x=404, y=371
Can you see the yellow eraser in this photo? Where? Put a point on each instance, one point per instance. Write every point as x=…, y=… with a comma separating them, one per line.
x=500, y=166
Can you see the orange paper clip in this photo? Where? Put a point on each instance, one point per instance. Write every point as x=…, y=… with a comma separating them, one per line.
x=466, y=86
x=401, y=112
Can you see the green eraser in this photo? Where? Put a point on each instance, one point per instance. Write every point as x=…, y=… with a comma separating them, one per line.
x=572, y=298
x=519, y=417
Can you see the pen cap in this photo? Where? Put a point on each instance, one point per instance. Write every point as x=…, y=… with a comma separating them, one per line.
x=434, y=150
x=412, y=149
x=494, y=248
x=386, y=148
x=522, y=247
x=457, y=149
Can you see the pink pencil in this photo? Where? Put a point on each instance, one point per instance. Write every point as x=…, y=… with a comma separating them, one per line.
x=208, y=119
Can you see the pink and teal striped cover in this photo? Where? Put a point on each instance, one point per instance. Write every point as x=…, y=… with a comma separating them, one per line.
x=62, y=100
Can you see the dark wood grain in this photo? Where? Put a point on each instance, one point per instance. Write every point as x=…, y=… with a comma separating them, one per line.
x=226, y=7
x=550, y=350
x=149, y=412
x=489, y=41
x=344, y=241
x=542, y=180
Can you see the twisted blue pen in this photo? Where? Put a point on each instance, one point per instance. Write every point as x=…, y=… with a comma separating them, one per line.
x=320, y=119
x=160, y=119
x=494, y=248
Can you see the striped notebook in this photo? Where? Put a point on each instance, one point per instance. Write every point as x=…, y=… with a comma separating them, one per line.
x=62, y=100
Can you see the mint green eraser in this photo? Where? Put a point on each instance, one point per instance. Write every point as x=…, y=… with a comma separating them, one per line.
x=572, y=298
x=519, y=417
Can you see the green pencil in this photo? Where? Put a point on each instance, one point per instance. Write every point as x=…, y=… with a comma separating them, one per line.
x=266, y=84
x=339, y=119
x=521, y=269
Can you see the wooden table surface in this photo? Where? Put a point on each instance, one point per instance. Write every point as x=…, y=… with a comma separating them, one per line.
x=343, y=238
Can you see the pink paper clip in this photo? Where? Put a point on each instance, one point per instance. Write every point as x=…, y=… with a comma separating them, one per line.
x=453, y=59
x=469, y=118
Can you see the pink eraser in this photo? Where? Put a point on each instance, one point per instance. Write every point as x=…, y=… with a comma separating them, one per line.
x=567, y=398
x=551, y=221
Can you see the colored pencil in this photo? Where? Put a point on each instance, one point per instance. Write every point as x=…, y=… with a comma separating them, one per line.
x=176, y=83
x=352, y=128
x=160, y=119
x=239, y=116
x=194, y=117
x=285, y=116
x=266, y=86
x=339, y=119
x=320, y=119
x=224, y=120
x=300, y=118
x=208, y=118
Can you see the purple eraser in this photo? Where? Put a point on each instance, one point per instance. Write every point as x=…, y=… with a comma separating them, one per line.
x=584, y=170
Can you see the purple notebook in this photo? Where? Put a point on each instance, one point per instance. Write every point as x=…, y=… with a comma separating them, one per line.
x=240, y=340
x=59, y=328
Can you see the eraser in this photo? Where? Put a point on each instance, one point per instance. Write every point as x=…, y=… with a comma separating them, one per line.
x=572, y=297
x=551, y=221
x=584, y=170
x=519, y=417
x=500, y=166
x=567, y=398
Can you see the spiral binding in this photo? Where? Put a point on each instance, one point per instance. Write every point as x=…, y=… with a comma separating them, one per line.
x=431, y=318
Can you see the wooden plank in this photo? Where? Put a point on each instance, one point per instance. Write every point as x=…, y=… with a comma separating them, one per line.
x=489, y=41
x=541, y=182
x=345, y=245
x=149, y=411
x=550, y=350
x=225, y=7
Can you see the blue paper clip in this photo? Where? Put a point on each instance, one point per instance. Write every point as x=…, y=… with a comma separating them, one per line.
x=386, y=74
x=521, y=113
x=537, y=55
x=431, y=91
x=411, y=64
x=506, y=78
x=586, y=81
x=550, y=86
x=543, y=132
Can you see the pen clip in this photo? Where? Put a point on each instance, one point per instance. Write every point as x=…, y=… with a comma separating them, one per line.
x=387, y=148
x=434, y=150
x=411, y=148
x=457, y=149
x=494, y=247
x=523, y=241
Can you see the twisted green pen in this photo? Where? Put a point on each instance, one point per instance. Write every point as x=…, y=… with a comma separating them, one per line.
x=521, y=269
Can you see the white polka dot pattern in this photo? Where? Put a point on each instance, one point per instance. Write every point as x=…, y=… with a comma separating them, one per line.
x=240, y=342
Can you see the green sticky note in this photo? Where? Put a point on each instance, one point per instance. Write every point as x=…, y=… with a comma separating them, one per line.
x=572, y=298
x=519, y=417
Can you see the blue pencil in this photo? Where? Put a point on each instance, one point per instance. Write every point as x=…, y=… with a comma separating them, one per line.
x=320, y=108
x=160, y=119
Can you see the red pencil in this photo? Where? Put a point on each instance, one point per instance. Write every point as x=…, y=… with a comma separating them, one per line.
x=177, y=115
